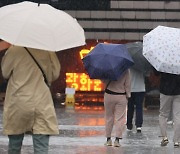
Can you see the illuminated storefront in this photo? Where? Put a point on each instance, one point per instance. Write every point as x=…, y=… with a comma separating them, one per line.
x=74, y=75
x=82, y=82
x=87, y=90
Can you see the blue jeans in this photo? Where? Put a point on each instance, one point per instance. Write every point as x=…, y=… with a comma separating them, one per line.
x=40, y=143
x=135, y=102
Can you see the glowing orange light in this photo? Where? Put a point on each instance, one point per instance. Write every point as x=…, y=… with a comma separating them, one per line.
x=84, y=52
x=82, y=82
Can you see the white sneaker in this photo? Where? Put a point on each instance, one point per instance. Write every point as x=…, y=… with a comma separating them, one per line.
x=176, y=144
x=116, y=144
x=138, y=129
x=108, y=143
x=170, y=122
x=164, y=141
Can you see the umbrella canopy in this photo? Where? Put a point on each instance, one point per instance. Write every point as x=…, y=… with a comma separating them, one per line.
x=39, y=26
x=107, y=61
x=161, y=47
x=140, y=62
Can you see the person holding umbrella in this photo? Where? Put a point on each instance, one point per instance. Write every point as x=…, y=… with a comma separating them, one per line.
x=28, y=105
x=36, y=31
x=138, y=71
x=161, y=49
x=110, y=63
x=135, y=103
x=169, y=102
x=115, y=103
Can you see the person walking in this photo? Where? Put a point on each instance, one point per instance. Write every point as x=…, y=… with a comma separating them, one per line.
x=169, y=103
x=28, y=105
x=135, y=103
x=115, y=103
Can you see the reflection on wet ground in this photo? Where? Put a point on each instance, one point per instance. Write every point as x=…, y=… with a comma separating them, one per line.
x=82, y=132
x=83, y=117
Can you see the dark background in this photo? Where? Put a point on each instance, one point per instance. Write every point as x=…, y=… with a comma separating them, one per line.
x=68, y=4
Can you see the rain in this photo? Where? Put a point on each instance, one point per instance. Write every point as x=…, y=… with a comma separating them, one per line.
x=82, y=124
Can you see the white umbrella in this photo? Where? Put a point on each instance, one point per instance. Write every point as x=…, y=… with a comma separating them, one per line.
x=42, y=27
x=161, y=47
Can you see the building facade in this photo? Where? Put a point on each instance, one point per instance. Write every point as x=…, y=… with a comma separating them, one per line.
x=117, y=21
x=127, y=19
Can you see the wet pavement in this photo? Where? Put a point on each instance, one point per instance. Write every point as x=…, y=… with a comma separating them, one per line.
x=82, y=132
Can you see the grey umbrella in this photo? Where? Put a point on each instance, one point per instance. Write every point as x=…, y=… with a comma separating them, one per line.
x=140, y=62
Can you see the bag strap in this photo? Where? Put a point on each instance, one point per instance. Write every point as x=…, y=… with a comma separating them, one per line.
x=45, y=79
x=108, y=84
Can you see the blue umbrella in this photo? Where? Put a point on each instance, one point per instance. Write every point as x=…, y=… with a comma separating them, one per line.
x=107, y=61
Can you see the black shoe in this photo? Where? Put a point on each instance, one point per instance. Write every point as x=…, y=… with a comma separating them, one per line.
x=129, y=127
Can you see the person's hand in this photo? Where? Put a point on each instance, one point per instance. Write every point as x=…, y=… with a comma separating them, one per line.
x=4, y=45
x=127, y=97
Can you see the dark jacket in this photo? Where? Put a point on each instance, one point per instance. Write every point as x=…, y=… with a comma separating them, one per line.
x=169, y=83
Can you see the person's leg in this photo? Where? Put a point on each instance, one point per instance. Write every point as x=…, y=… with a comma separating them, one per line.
x=176, y=117
x=170, y=118
x=165, y=107
x=15, y=143
x=109, y=116
x=40, y=143
x=120, y=115
x=139, y=98
x=130, y=112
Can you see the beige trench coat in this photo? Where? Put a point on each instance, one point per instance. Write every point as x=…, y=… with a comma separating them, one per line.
x=28, y=103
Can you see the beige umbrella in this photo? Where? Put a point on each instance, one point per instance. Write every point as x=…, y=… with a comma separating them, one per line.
x=41, y=26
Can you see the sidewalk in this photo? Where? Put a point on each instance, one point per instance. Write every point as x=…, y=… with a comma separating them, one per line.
x=82, y=132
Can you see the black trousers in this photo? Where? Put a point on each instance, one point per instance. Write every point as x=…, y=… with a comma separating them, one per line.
x=135, y=103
